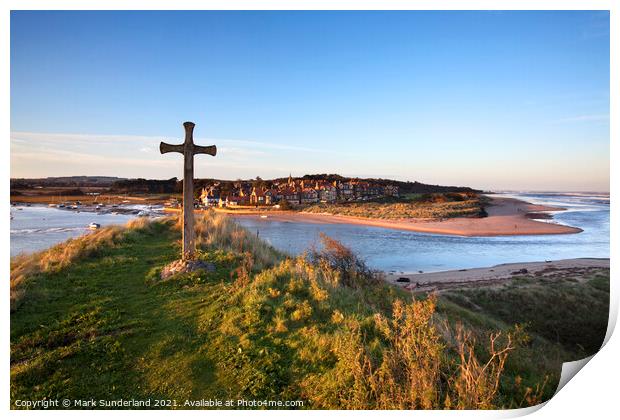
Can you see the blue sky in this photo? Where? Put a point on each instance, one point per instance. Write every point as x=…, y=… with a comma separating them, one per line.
x=499, y=100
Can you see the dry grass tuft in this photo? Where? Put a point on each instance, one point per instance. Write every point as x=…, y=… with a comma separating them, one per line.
x=218, y=231
x=476, y=384
x=410, y=369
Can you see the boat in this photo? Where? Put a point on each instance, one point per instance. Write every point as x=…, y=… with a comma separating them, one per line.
x=51, y=205
x=263, y=216
x=94, y=226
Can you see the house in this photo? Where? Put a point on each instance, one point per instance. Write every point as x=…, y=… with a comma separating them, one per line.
x=345, y=190
x=210, y=196
x=244, y=194
x=328, y=193
x=258, y=196
x=374, y=190
x=390, y=190
x=361, y=190
x=270, y=197
x=292, y=195
x=309, y=196
x=230, y=200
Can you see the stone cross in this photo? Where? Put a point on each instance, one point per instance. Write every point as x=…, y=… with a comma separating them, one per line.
x=188, y=149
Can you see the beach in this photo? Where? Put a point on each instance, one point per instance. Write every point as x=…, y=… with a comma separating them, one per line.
x=574, y=268
x=506, y=217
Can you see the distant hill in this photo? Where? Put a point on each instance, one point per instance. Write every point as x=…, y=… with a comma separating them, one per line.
x=64, y=181
x=404, y=187
x=140, y=185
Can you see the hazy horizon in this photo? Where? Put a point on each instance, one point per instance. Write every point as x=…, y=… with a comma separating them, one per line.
x=492, y=100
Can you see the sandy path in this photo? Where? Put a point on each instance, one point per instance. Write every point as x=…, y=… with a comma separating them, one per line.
x=497, y=273
x=506, y=216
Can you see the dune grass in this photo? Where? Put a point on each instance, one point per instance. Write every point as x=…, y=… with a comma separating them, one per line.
x=420, y=206
x=569, y=311
x=320, y=328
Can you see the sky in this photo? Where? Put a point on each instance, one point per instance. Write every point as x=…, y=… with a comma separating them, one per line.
x=491, y=100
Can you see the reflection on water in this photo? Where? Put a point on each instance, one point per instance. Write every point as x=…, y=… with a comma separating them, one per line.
x=404, y=251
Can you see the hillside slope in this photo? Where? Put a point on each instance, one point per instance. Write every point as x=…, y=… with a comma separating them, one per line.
x=92, y=319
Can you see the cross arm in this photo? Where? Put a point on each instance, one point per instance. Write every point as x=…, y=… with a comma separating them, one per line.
x=206, y=150
x=167, y=148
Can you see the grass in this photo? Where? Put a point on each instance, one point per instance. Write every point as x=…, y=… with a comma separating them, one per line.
x=416, y=206
x=566, y=311
x=94, y=320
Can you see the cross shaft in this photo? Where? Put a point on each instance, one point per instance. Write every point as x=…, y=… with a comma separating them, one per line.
x=188, y=149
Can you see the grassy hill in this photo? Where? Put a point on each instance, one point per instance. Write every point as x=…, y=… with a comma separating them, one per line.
x=91, y=318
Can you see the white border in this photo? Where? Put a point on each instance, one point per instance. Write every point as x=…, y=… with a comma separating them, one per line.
x=592, y=394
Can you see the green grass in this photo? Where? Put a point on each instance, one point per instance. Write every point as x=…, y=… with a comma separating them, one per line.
x=565, y=311
x=264, y=326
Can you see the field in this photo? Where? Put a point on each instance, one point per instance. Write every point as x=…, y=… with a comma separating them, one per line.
x=92, y=319
x=411, y=206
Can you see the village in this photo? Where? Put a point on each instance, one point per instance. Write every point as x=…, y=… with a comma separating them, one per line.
x=293, y=192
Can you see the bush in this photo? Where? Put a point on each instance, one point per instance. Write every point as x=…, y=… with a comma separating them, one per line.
x=352, y=271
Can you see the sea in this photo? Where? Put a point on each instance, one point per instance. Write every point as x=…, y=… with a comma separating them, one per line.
x=35, y=228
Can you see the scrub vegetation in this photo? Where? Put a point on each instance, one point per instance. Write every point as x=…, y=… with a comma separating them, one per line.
x=410, y=206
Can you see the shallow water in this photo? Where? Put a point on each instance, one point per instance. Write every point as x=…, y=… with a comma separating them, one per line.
x=35, y=228
x=404, y=251
x=39, y=227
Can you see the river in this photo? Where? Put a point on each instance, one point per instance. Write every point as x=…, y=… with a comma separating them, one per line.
x=409, y=252
x=37, y=227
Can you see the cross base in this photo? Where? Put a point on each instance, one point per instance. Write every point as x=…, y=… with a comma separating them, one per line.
x=186, y=266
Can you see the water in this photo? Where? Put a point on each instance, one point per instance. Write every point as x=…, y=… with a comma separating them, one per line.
x=403, y=251
x=39, y=227
x=35, y=228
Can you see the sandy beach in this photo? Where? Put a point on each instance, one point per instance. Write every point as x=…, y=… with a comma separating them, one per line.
x=573, y=268
x=506, y=216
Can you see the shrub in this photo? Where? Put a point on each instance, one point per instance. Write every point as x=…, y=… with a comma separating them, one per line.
x=351, y=270
x=408, y=368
